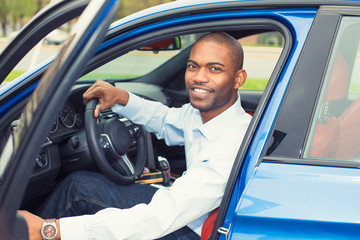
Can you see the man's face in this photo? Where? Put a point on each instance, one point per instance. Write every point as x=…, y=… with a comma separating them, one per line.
x=211, y=78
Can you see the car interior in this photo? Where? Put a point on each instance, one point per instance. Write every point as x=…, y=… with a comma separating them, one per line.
x=157, y=75
x=335, y=130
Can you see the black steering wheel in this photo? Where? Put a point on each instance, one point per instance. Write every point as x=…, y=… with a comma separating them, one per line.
x=109, y=141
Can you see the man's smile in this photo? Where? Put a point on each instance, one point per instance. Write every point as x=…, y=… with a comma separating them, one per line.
x=200, y=90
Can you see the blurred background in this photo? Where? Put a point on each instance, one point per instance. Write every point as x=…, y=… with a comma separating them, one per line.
x=15, y=13
x=261, y=50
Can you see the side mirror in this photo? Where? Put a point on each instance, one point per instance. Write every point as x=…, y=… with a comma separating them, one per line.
x=163, y=45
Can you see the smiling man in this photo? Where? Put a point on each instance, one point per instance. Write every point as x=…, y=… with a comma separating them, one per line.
x=214, y=73
x=211, y=127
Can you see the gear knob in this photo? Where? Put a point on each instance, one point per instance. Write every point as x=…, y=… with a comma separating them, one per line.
x=165, y=169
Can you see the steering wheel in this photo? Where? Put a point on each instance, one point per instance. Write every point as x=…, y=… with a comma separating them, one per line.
x=109, y=141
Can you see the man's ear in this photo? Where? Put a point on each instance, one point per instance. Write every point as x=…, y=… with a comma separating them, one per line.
x=240, y=78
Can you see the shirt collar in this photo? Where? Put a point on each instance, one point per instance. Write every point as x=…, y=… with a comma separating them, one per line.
x=216, y=126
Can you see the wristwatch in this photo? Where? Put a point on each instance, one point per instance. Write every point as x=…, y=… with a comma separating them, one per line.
x=49, y=230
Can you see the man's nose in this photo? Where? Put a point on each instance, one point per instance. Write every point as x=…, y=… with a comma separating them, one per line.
x=201, y=76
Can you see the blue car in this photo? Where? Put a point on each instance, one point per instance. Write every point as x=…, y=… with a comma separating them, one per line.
x=296, y=174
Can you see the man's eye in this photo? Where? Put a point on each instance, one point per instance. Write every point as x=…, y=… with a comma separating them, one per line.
x=216, y=69
x=191, y=66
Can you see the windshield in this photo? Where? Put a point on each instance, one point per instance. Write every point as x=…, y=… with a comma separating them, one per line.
x=262, y=49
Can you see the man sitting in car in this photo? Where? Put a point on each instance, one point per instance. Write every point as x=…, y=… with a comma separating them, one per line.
x=211, y=127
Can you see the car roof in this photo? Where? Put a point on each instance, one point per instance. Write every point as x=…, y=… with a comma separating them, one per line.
x=195, y=6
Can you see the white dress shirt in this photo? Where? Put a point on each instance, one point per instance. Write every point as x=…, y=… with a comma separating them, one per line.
x=210, y=150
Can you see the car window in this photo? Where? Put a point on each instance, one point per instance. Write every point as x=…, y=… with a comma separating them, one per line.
x=335, y=129
x=261, y=52
x=47, y=48
x=137, y=63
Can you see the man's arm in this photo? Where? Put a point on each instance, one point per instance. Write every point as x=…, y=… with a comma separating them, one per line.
x=166, y=123
x=154, y=116
x=192, y=196
x=107, y=94
x=35, y=223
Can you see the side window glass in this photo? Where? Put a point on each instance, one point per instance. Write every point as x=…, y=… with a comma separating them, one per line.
x=46, y=49
x=139, y=62
x=335, y=130
x=261, y=52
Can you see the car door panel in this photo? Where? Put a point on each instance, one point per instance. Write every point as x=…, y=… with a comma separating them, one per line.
x=44, y=105
x=280, y=193
x=280, y=201
x=261, y=124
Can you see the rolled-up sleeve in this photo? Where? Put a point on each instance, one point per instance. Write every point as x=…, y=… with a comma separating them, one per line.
x=157, y=118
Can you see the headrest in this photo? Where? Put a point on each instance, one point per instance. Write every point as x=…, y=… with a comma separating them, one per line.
x=339, y=80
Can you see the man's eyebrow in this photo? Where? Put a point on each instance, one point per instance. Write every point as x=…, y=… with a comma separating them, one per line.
x=192, y=61
x=209, y=64
x=215, y=63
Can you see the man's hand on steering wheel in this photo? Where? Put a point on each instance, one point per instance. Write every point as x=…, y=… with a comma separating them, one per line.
x=107, y=94
x=109, y=140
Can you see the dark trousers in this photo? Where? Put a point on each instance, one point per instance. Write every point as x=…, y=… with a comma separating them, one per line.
x=88, y=192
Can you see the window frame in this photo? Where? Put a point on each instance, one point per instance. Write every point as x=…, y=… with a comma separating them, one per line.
x=320, y=43
x=337, y=47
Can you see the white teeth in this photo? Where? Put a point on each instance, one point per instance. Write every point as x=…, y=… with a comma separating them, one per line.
x=200, y=90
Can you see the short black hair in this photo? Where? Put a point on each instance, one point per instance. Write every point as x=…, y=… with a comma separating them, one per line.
x=235, y=48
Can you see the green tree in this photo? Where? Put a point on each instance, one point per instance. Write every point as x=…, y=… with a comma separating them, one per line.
x=18, y=12
x=21, y=11
x=4, y=15
x=41, y=3
x=128, y=7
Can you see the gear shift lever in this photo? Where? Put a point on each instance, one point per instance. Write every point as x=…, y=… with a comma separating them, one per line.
x=165, y=169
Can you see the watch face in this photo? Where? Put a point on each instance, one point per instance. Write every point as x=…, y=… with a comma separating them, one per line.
x=49, y=232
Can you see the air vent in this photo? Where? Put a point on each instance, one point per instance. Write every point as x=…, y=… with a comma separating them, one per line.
x=107, y=114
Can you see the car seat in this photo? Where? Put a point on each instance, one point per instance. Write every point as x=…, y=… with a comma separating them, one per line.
x=328, y=127
x=348, y=137
x=209, y=225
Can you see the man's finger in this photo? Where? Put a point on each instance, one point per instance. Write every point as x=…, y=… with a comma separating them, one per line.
x=86, y=97
x=97, y=111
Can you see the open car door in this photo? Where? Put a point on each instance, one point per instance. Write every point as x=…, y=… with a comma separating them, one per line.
x=23, y=145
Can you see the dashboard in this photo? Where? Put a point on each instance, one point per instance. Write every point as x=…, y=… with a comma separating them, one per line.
x=69, y=119
x=66, y=150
